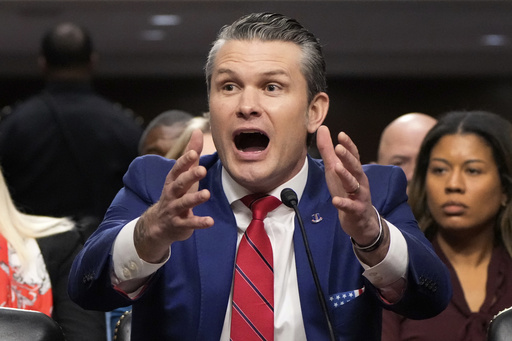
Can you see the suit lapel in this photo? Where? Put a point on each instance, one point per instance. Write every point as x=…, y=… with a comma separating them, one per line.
x=216, y=249
x=320, y=222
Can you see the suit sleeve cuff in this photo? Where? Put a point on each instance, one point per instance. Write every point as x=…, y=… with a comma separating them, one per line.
x=130, y=272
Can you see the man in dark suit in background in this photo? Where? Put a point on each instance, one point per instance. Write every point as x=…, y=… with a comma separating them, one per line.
x=170, y=241
x=64, y=151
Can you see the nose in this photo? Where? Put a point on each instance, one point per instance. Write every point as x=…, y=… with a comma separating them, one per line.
x=249, y=103
x=455, y=183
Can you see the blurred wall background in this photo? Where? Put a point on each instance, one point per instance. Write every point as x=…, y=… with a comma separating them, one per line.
x=384, y=58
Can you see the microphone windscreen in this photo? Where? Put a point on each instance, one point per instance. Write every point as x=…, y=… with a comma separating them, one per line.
x=289, y=197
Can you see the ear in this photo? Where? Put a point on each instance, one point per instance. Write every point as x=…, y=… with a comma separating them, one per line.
x=317, y=111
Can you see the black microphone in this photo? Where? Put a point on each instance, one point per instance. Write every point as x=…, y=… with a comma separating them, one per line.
x=289, y=198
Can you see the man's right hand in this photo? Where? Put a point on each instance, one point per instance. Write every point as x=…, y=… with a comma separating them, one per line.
x=171, y=218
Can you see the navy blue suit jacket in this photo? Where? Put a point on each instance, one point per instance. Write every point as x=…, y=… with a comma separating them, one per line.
x=187, y=298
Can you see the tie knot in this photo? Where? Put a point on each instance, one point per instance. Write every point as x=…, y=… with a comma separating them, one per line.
x=260, y=204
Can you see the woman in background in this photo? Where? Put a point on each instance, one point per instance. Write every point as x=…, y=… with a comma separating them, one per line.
x=36, y=253
x=460, y=193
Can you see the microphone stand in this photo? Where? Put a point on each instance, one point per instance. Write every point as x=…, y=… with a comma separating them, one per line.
x=289, y=198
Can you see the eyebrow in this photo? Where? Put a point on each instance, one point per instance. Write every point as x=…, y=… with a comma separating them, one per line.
x=275, y=73
x=266, y=73
x=399, y=156
x=465, y=162
x=223, y=71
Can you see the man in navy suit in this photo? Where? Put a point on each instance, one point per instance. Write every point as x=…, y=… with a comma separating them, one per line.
x=169, y=240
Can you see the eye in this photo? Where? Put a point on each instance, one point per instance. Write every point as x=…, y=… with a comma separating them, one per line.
x=228, y=87
x=437, y=170
x=473, y=171
x=272, y=87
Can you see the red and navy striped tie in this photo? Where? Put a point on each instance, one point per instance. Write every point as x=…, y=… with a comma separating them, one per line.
x=253, y=291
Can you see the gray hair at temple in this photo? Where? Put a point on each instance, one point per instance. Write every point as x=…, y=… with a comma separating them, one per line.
x=275, y=27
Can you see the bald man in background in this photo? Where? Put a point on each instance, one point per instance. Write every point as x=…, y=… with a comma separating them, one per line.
x=401, y=140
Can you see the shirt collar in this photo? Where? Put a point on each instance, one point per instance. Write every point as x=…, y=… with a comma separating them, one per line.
x=235, y=191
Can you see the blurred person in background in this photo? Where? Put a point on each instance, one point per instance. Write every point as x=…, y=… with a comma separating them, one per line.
x=202, y=123
x=460, y=193
x=64, y=151
x=400, y=141
x=163, y=131
x=36, y=253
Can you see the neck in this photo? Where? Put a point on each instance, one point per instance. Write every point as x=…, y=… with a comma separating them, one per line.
x=69, y=74
x=461, y=249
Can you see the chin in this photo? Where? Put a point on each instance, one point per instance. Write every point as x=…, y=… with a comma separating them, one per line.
x=248, y=177
x=252, y=180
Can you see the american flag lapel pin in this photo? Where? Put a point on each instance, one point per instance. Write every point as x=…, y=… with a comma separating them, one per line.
x=316, y=218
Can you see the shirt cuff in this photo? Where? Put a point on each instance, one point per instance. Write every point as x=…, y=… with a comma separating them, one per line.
x=394, y=266
x=127, y=266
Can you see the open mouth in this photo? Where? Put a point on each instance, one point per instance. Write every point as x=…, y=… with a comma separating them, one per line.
x=251, y=142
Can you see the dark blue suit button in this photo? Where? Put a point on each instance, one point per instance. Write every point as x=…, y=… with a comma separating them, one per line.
x=88, y=278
